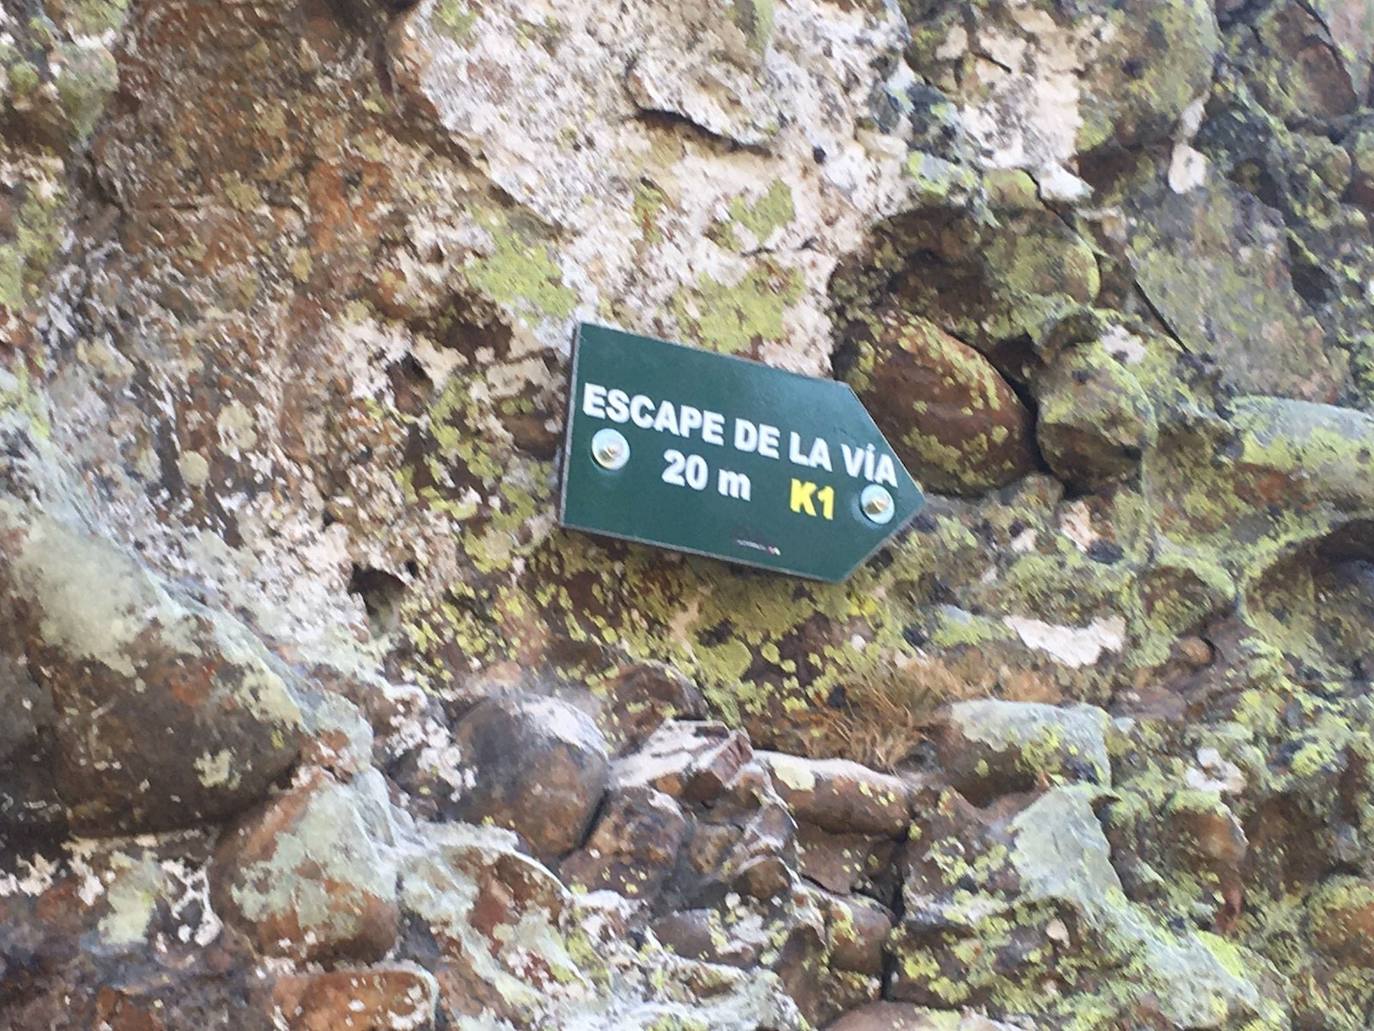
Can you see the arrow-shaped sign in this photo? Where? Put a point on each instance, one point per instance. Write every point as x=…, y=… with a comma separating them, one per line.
x=725, y=457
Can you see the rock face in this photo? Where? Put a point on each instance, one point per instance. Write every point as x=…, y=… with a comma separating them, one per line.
x=312, y=717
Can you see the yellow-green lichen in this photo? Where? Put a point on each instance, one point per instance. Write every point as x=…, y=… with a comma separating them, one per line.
x=736, y=317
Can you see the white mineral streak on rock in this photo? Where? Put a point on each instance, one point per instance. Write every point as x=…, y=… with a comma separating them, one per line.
x=1076, y=523
x=1071, y=645
x=1188, y=166
x=1187, y=169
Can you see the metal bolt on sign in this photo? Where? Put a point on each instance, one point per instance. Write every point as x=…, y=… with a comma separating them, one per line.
x=877, y=504
x=610, y=449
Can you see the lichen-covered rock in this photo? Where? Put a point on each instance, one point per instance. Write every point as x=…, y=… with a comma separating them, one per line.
x=309, y=875
x=1341, y=911
x=990, y=748
x=1245, y=315
x=1094, y=421
x=994, y=279
x=1038, y=898
x=1035, y=86
x=118, y=660
x=953, y=420
x=1299, y=69
x=537, y=766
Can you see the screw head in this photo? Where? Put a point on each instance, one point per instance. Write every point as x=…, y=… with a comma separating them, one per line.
x=610, y=449
x=877, y=504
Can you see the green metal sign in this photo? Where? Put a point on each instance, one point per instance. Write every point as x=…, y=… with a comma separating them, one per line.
x=720, y=456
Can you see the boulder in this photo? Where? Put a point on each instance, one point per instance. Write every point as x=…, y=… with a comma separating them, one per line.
x=495, y=918
x=306, y=876
x=1299, y=69
x=538, y=766
x=164, y=713
x=951, y=417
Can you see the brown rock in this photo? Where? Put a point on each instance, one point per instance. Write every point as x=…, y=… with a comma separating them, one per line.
x=633, y=846
x=118, y=1011
x=858, y=929
x=696, y=934
x=840, y=796
x=303, y=876
x=821, y=994
x=539, y=768
x=689, y=761
x=641, y=697
x=751, y=852
x=834, y=861
x=377, y=999
x=763, y=877
x=901, y=1016
x=951, y=417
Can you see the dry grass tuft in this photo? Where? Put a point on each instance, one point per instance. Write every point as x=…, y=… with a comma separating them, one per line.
x=885, y=720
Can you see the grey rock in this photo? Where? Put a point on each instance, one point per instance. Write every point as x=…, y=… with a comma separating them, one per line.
x=989, y=748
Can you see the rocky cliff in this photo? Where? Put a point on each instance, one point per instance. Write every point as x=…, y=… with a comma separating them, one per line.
x=311, y=717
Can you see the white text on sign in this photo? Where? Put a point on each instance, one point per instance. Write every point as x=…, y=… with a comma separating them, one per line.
x=746, y=436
